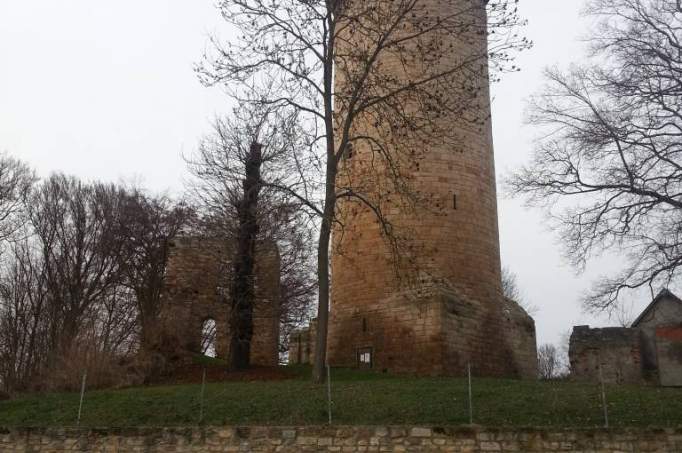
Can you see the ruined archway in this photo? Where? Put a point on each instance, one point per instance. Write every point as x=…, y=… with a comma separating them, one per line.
x=208, y=337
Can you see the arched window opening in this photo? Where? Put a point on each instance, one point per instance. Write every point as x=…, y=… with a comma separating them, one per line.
x=208, y=336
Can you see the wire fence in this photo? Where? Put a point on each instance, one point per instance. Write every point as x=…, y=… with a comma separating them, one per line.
x=353, y=397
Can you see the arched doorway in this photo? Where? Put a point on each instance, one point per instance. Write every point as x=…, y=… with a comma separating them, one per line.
x=208, y=337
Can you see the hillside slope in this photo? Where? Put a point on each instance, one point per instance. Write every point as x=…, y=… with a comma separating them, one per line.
x=358, y=398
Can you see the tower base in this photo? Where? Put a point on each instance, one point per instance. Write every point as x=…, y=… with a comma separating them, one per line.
x=435, y=331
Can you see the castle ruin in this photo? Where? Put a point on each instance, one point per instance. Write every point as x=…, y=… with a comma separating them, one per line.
x=648, y=351
x=196, y=289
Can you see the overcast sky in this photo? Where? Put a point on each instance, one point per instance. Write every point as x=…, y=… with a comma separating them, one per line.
x=105, y=90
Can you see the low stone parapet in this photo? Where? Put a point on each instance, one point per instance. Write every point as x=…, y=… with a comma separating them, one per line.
x=339, y=439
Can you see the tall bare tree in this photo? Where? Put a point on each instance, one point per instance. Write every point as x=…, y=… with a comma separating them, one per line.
x=76, y=226
x=23, y=306
x=243, y=292
x=549, y=362
x=608, y=165
x=344, y=68
x=16, y=181
x=148, y=225
x=511, y=291
x=80, y=281
x=225, y=183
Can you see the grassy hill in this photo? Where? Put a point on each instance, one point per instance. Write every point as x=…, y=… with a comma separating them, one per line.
x=358, y=398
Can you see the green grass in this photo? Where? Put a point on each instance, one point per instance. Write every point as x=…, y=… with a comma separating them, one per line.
x=358, y=398
x=205, y=360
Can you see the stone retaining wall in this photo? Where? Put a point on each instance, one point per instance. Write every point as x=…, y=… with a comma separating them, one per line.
x=339, y=439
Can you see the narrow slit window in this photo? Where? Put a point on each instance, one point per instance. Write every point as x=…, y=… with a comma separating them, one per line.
x=454, y=201
x=364, y=324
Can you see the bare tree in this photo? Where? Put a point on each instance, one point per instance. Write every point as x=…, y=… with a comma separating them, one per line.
x=239, y=170
x=549, y=362
x=79, y=287
x=23, y=306
x=76, y=228
x=344, y=68
x=243, y=292
x=16, y=182
x=511, y=291
x=510, y=286
x=148, y=225
x=608, y=165
x=625, y=314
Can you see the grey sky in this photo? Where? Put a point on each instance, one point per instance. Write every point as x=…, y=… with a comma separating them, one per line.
x=105, y=90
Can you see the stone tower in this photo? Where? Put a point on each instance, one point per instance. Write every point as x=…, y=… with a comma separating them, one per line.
x=451, y=312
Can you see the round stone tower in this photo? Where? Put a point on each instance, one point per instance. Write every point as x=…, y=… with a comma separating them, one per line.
x=423, y=294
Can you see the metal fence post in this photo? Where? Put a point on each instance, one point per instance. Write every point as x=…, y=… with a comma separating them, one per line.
x=201, y=401
x=329, y=394
x=603, y=398
x=80, y=405
x=471, y=398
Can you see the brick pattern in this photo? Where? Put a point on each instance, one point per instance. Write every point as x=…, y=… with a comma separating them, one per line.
x=669, y=355
x=197, y=288
x=648, y=351
x=302, y=344
x=616, y=350
x=441, y=305
x=339, y=439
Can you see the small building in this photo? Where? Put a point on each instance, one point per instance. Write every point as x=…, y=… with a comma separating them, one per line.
x=649, y=351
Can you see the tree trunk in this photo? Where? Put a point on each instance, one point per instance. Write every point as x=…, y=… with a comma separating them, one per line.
x=320, y=360
x=323, y=307
x=243, y=291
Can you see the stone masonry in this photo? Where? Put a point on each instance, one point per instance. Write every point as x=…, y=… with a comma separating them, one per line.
x=648, y=351
x=302, y=344
x=339, y=439
x=196, y=289
x=612, y=351
x=448, y=311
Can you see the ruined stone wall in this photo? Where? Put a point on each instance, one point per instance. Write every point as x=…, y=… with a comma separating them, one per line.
x=349, y=439
x=521, y=339
x=616, y=350
x=448, y=242
x=197, y=288
x=302, y=344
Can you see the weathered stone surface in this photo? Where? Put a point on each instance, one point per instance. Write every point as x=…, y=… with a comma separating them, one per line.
x=347, y=439
x=650, y=350
x=196, y=288
x=302, y=344
x=612, y=351
x=669, y=355
x=439, y=306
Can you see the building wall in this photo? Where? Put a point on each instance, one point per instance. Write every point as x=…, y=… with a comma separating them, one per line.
x=448, y=242
x=403, y=333
x=302, y=344
x=612, y=354
x=349, y=439
x=197, y=287
x=432, y=334
x=669, y=354
x=667, y=311
x=521, y=339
